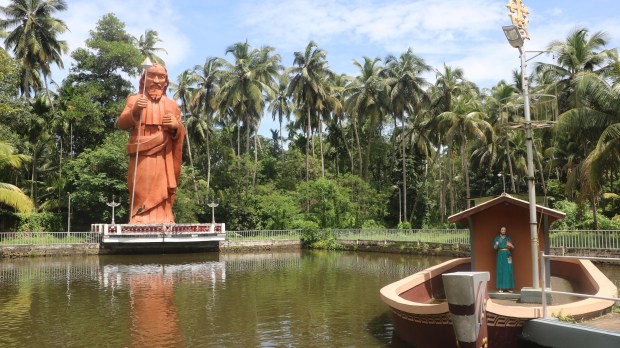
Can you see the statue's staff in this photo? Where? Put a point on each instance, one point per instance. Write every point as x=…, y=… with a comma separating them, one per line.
x=145, y=66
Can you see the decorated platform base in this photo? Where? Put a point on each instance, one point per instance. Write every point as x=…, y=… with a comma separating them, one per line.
x=160, y=233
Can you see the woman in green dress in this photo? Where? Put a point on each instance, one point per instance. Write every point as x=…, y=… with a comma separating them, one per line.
x=504, y=277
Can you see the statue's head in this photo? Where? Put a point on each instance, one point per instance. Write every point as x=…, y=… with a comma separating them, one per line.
x=156, y=81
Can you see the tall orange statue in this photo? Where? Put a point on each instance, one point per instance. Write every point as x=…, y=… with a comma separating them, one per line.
x=155, y=148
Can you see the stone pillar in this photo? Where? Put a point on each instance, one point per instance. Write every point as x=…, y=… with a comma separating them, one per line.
x=467, y=294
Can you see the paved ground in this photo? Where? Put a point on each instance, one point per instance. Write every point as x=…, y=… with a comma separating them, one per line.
x=609, y=321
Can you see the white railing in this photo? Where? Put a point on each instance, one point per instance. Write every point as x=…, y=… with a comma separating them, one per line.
x=258, y=235
x=585, y=239
x=543, y=274
x=438, y=236
x=48, y=238
x=569, y=239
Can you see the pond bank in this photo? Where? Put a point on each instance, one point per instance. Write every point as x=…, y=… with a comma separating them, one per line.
x=412, y=248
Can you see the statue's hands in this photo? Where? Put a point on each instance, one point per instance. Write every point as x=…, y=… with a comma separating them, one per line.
x=140, y=104
x=170, y=122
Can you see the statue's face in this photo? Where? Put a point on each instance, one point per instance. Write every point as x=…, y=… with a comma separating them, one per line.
x=156, y=81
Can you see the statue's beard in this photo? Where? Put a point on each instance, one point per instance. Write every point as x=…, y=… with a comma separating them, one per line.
x=155, y=93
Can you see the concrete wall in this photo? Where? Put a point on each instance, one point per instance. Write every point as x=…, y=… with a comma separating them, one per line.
x=49, y=250
x=242, y=246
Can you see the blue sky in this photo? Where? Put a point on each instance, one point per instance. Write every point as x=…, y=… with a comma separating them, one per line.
x=463, y=33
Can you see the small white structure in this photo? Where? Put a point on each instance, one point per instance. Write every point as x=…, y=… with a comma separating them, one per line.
x=160, y=233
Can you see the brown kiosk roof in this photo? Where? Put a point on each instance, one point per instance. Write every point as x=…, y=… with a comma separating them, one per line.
x=504, y=197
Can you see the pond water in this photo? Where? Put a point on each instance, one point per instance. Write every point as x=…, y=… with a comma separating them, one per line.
x=301, y=298
x=293, y=299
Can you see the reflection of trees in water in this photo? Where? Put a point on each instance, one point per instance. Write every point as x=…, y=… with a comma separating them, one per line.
x=238, y=263
x=50, y=269
x=211, y=271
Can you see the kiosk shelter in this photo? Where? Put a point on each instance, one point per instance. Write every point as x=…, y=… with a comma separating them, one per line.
x=484, y=222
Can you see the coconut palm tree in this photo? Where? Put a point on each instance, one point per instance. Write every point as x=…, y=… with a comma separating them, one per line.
x=280, y=106
x=306, y=85
x=246, y=85
x=406, y=95
x=367, y=100
x=579, y=52
x=34, y=36
x=466, y=121
x=146, y=44
x=11, y=195
x=503, y=106
x=596, y=123
x=204, y=101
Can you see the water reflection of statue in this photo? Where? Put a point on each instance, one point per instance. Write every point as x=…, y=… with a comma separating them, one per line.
x=154, y=318
x=156, y=140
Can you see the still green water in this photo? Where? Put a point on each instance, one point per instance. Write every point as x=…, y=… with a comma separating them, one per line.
x=285, y=299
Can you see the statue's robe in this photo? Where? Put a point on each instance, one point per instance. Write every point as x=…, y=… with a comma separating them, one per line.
x=160, y=153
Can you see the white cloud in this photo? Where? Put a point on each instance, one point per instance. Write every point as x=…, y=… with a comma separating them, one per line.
x=296, y=22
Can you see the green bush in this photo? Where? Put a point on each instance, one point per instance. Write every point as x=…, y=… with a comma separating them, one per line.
x=579, y=217
x=310, y=231
x=40, y=222
x=405, y=225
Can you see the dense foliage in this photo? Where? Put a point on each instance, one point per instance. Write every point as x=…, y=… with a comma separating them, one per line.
x=383, y=148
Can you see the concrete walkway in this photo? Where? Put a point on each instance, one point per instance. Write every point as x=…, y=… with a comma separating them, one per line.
x=609, y=321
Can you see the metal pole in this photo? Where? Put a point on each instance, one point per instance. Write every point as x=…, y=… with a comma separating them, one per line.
x=503, y=180
x=69, y=215
x=543, y=272
x=400, y=209
x=531, y=188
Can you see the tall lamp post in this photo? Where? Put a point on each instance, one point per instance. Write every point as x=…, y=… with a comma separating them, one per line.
x=503, y=181
x=69, y=213
x=113, y=205
x=212, y=205
x=515, y=34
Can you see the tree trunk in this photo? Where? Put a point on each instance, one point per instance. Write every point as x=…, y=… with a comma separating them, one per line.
x=321, y=145
x=255, y=161
x=359, y=148
x=465, y=172
x=512, y=176
x=208, y=145
x=346, y=145
x=369, y=147
x=238, y=137
x=594, y=214
x=33, y=177
x=404, y=169
x=281, y=138
x=442, y=198
x=47, y=91
x=191, y=163
x=308, y=145
x=451, y=181
x=542, y=173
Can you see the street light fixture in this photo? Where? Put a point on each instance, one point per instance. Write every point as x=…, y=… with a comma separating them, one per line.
x=513, y=34
x=212, y=205
x=503, y=181
x=113, y=205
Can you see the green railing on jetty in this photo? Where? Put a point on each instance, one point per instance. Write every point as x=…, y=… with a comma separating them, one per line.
x=582, y=239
